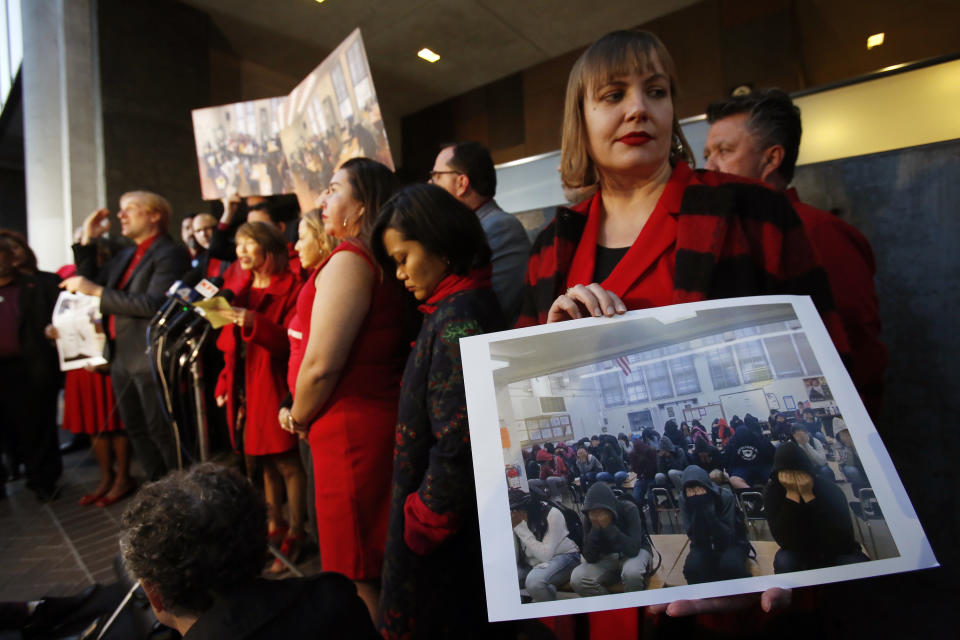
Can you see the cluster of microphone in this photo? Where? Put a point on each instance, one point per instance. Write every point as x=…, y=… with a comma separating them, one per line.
x=178, y=310
x=175, y=337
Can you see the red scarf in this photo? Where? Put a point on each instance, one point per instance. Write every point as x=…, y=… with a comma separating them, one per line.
x=451, y=284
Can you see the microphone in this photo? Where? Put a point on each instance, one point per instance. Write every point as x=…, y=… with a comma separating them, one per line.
x=172, y=298
x=205, y=289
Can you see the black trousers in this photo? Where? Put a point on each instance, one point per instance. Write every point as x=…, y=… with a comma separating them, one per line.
x=706, y=565
x=28, y=420
x=151, y=437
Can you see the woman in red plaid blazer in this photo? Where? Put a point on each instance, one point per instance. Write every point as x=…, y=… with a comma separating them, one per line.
x=652, y=231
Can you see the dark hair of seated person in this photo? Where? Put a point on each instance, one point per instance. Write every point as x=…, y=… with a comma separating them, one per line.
x=195, y=534
x=444, y=226
x=536, y=510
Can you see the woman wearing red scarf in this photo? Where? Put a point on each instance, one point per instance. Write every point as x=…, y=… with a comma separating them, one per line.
x=653, y=232
x=432, y=576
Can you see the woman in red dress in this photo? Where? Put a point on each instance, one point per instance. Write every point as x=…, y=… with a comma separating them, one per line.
x=90, y=408
x=313, y=247
x=253, y=380
x=348, y=385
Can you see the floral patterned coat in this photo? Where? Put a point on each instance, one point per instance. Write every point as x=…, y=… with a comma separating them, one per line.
x=433, y=576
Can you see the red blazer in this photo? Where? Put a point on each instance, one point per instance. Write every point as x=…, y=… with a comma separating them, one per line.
x=848, y=259
x=264, y=367
x=720, y=236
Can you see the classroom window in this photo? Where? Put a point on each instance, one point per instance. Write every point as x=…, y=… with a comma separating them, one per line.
x=684, y=374
x=635, y=387
x=783, y=356
x=611, y=389
x=658, y=380
x=753, y=362
x=806, y=354
x=723, y=368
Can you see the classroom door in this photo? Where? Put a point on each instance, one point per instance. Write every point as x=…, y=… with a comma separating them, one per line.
x=639, y=420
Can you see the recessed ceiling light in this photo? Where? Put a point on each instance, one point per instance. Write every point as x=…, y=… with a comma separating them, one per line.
x=319, y=1
x=428, y=55
x=875, y=40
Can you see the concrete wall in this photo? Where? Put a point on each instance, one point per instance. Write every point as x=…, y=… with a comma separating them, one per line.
x=906, y=203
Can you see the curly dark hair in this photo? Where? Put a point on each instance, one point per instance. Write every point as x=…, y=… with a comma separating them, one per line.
x=194, y=534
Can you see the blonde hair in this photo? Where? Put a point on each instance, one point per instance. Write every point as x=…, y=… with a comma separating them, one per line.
x=326, y=242
x=151, y=202
x=616, y=54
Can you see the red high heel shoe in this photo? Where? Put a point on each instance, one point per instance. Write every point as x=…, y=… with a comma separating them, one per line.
x=106, y=500
x=92, y=498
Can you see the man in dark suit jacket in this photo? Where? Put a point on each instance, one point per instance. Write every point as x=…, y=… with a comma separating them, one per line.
x=131, y=287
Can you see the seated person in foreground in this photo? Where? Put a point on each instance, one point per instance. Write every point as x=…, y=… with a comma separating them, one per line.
x=546, y=555
x=196, y=541
x=718, y=536
x=808, y=516
x=615, y=547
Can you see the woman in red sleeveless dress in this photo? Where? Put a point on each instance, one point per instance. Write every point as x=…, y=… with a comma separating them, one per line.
x=348, y=385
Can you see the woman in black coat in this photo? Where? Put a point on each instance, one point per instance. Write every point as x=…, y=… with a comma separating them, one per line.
x=433, y=576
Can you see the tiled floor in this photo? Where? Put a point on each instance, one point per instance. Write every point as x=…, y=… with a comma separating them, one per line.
x=60, y=548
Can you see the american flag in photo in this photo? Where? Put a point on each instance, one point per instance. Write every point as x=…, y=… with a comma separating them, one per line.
x=624, y=365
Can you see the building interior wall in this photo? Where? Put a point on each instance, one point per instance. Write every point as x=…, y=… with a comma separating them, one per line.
x=905, y=203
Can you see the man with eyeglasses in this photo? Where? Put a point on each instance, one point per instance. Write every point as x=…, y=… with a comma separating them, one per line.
x=465, y=170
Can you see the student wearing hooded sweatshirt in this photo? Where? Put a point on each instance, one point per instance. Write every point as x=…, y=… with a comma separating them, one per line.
x=671, y=461
x=615, y=547
x=672, y=431
x=718, y=543
x=747, y=458
x=721, y=431
x=612, y=459
x=808, y=516
x=706, y=456
x=545, y=553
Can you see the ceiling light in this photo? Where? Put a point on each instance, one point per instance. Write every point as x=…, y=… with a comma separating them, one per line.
x=875, y=40
x=428, y=55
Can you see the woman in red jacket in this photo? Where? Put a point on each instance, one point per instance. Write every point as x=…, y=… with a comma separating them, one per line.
x=253, y=381
x=652, y=231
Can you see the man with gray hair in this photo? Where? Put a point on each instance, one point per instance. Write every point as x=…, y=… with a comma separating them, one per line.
x=131, y=287
x=196, y=540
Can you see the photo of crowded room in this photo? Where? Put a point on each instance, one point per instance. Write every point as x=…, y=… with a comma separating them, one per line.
x=478, y=319
x=330, y=117
x=238, y=150
x=655, y=453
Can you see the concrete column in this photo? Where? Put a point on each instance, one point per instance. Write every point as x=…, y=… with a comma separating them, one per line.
x=63, y=141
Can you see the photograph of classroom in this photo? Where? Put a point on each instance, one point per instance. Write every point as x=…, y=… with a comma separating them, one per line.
x=656, y=453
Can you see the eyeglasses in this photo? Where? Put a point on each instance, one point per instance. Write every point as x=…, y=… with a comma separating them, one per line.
x=434, y=174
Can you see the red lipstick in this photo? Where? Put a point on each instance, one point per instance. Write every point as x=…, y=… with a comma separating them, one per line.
x=635, y=138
